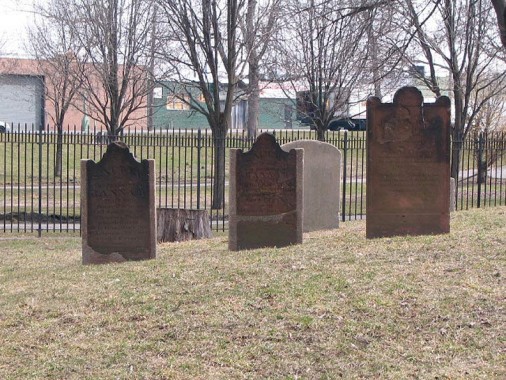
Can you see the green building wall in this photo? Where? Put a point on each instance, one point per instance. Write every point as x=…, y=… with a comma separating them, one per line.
x=164, y=118
x=274, y=113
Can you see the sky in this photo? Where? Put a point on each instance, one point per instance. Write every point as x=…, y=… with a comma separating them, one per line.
x=14, y=18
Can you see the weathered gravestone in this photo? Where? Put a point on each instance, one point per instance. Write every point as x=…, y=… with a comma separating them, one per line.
x=118, y=207
x=322, y=179
x=408, y=165
x=266, y=190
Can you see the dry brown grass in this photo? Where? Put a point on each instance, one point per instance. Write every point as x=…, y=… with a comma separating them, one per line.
x=336, y=306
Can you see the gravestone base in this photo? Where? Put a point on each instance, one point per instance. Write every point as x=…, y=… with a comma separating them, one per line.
x=389, y=225
x=92, y=257
x=265, y=231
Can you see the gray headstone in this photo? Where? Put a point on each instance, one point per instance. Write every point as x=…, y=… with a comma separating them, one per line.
x=408, y=165
x=322, y=180
x=266, y=190
x=118, y=207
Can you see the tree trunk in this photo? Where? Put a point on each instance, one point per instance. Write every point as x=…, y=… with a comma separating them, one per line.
x=320, y=134
x=458, y=130
x=253, y=80
x=376, y=77
x=482, y=171
x=112, y=137
x=481, y=158
x=219, y=169
x=457, y=145
x=253, y=101
x=59, y=152
x=181, y=225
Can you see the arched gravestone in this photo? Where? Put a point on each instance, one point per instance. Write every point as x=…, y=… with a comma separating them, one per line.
x=118, y=215
x=408, y=165
x=322, y=180
x=266, y=191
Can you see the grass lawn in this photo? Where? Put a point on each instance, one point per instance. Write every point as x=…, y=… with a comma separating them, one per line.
x=337, y=306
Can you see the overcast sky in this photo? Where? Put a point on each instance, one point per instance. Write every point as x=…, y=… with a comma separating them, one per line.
x=14, y=18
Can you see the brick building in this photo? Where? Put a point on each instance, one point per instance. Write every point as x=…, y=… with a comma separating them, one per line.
x=26, y=93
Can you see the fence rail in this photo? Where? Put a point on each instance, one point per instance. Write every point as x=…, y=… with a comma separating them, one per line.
x=36, y=197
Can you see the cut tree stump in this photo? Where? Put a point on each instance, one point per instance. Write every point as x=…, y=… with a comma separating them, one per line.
x=175, y=224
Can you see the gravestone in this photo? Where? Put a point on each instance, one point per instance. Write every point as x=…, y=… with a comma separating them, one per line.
x=118, y=214
x=266, y=190
x=322, y=180
x=408, y=165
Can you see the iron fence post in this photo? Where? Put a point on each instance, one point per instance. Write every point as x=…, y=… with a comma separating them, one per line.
x=345, y=148
x=199, y=148
x=39, y=231
x=480, y=169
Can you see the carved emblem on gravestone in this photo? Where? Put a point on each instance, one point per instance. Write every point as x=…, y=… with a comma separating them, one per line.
x=118, y=207
x=408, y=165
x=322, y=181
x=397, y=127
x=266, y=189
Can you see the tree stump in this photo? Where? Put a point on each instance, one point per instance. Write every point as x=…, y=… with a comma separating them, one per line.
x=182, y=224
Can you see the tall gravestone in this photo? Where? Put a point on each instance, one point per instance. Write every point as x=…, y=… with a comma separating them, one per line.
x=408, y=165
x=322, y=180
x=266, y=190
x=118, y=215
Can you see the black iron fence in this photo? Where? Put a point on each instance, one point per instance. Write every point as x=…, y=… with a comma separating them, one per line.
x=40, y=173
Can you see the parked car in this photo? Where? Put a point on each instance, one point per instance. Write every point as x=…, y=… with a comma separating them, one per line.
x=348, y=124
x=338, y=124
x=4, y=127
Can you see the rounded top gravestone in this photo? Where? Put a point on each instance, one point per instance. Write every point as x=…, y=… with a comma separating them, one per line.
x=322, y=180
x=118, y=207
x=408, y=165
x=266, y=191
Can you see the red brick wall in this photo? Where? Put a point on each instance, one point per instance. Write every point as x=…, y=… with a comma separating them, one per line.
x=74, y=116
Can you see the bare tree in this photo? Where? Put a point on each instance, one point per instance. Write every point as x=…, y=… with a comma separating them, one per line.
x=323, y=53
x=458, y=44
x=202, y=53
x=492, y=116
x=260, y=24
x=386, y=44
x=488, y=120
x=54, y=46
x=116, y=41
